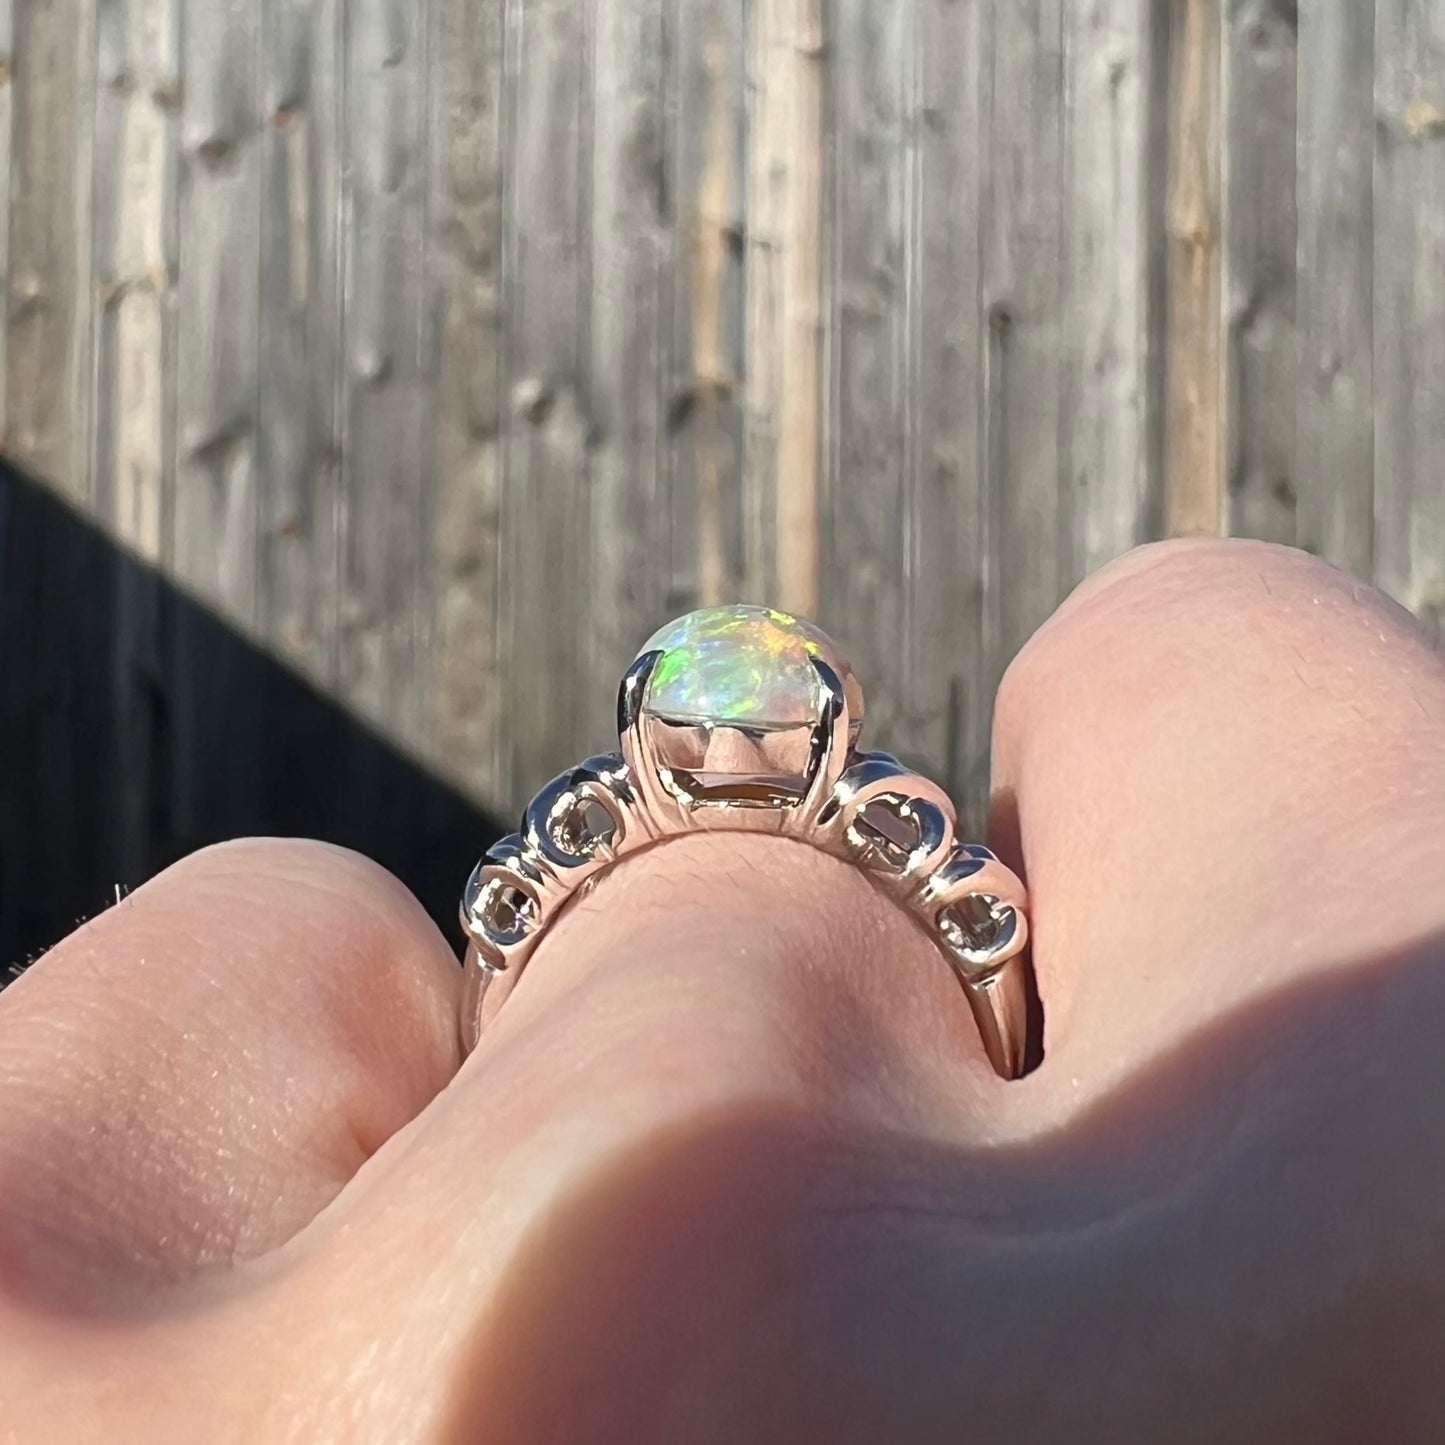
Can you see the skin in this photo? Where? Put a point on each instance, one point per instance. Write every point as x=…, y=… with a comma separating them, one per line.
x=730, y=1164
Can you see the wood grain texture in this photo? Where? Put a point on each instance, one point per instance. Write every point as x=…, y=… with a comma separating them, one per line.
x=48, y=358
x=707, y=157
x=1111, y=419
x=385, y=393
x=7, y=152
x=868, y=405
x=214, y=541
x=299, y=331
x=133, y=262
x=547, y=424
x=442, y=348
x=783, y=438
x=464, y=321
x=1409, y=331
x=943, y=687
x=1022, y=293
x=132, y=361
x=1193, y=468
x=1258, y=107
x=629, y=288
x=1334, y=285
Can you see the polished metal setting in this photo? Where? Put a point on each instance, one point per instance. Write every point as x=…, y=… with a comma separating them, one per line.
x=896, y=826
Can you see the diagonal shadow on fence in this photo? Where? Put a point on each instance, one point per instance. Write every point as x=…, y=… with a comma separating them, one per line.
x=135, y=726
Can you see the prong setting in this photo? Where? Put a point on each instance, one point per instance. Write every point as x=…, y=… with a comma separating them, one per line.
x=780, y=758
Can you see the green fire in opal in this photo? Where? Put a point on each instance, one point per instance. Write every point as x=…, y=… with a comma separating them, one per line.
x=741, y=666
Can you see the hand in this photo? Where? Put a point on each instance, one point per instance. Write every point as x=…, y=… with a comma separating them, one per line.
x=730, y=1164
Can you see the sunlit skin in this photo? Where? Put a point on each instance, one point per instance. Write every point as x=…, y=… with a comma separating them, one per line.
x=730, y=1165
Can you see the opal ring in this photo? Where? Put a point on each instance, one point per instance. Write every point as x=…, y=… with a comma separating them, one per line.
x=746, y=718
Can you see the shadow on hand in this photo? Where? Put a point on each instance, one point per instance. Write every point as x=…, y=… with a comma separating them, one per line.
x=1245, y=1242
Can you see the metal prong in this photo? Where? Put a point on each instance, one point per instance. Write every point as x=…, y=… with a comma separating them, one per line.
x=633, y=689
x=644, y=768
x=828, y=749
x=1000, y=1008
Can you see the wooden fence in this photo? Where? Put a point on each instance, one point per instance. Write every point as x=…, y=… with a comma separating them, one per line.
x=443, y=348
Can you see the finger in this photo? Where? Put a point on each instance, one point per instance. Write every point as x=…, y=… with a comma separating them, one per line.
x=1226, y=763
x=191, y=1076
x=725, y=1078
x=710, y=998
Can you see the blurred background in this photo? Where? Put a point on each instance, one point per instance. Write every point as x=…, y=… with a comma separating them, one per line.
x=377, y=374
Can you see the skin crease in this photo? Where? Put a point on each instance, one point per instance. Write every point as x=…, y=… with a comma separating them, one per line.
x=730, y=1164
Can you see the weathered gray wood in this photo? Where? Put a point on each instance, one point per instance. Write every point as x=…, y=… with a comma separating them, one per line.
x=463, y=318
x=1258, y=123
x=782, y=463
x=1334, y=284
x=706, y=343
x=546, y=421
x=215, y=506
x=868, y=412
x=133, y=264
x=299, y=329
x=79, y=373
x=132, y=359
x=7, y=153
x=1409, y=330
x=217, y=291
x=48, y=359
x=385, y=393
x=1022, y=291
x=1111, y=421
x=629, y=282
x=445, y=347
x=943, y=685
x=1193, y=471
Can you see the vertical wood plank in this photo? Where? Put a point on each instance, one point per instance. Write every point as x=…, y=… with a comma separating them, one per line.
x=1113, y=98
x=7, y=156
x=707, y=340
x=214, y=530
x=299, y=332
x=133, y=380
x=944, y=685
x=385, y=395
x=544, y=505
x=1021, y=297
x=133, y=269
x=1409, y=331
x=1260, y=245
x=1334, y=407
x=868, y=412
x=1193, y=470
x=464, y=219
x=79, y=372
x=629, y=280
x=414, y=336
x=49, y=295
x=783, y=437
x=214, y=509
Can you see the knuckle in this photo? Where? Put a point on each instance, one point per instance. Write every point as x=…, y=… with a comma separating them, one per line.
x=1188, y=606
x=284, y=862
x=302, y=883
